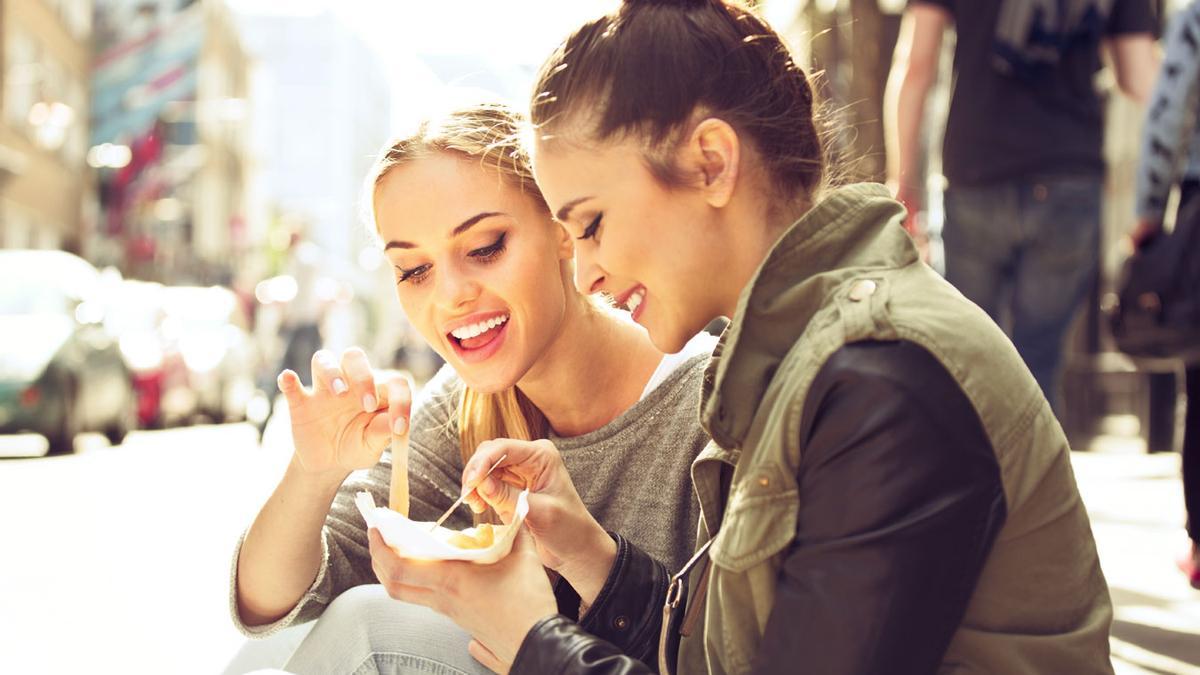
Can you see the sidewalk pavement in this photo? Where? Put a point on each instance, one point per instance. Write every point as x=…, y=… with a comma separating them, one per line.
x=1136, y=505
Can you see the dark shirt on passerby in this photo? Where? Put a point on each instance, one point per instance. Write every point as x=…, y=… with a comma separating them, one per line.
x=1002, y=127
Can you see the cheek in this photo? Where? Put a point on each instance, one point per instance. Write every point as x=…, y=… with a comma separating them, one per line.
x=415, y=308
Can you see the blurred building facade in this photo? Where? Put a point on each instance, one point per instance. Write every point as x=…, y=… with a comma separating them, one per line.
x=44, y=182
x=169, y=137
x=322, y=111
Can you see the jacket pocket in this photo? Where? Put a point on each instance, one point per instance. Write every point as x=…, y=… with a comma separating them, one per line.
x=759, y=521
x=759, y=524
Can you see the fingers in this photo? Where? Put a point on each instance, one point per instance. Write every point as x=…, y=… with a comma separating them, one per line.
x=293, y=390
x=357, y=369
x=399, y=395
x=392, y=570
x=486, y=657
x=327, y=375
x=524, y=458
x=497, y=494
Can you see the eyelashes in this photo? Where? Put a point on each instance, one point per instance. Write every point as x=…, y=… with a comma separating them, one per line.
x=490, y=252
x=416, y=274
x=590, y=231
x=484, y=255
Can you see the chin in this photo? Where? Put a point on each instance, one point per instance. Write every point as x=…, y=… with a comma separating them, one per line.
x=486, y=380
x=668, y=341
x=486, y=385
x=672, y=338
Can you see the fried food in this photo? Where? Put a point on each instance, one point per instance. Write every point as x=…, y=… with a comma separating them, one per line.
x=482, y=536
x=398, y=495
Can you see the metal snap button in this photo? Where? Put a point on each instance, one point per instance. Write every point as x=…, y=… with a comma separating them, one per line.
x=862, y=290
x=621, y=623
x=764, y=481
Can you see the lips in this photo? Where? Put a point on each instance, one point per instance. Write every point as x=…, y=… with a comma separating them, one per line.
x=478, y=336
x=633, y=300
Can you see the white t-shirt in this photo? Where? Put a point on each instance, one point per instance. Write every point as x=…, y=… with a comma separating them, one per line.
x=701, y=343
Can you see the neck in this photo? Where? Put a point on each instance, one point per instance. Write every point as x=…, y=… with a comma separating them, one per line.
x=594, y=370
x=753, y=230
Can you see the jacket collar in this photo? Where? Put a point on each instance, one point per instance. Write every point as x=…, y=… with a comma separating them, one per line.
x=856, y=226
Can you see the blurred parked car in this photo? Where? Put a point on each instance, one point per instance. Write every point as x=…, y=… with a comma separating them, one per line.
x=61, y=370
x=221, y=357
x=160, y=376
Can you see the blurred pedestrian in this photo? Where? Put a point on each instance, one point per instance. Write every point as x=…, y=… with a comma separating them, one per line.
x=1022, y=150
x=304, y=312
x=1170, y=157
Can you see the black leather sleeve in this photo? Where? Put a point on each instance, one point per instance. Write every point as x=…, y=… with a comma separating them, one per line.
x=618, y=634
x=901, y=501
x=558, y=645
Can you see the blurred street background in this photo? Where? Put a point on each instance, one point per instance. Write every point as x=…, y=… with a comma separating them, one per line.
x=180, y=218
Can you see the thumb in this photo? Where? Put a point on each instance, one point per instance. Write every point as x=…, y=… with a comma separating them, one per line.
x=378, y=434
x=524, y=541
x=498, y=495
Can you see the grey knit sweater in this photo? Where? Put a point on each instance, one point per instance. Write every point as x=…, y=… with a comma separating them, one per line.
x=633, y=474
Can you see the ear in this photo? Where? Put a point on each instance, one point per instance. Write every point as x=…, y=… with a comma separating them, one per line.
x=566, y=243
x=713, y=153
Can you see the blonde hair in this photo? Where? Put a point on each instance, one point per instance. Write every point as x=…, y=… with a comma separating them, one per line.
x=491, y=134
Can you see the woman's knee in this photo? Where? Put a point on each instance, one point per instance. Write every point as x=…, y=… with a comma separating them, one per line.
x=385, y=622
x=362, y=605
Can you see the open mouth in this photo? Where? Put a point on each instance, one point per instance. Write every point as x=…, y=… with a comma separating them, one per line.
x=480, y=334
x=635, y=300
x=632, y=300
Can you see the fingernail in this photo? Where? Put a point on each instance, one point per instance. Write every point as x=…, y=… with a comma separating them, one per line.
x=369, y=403
x=339, y=386
x=399, y=426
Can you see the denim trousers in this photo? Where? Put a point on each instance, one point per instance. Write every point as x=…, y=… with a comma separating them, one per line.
x=1027, y=252
x=365, y=632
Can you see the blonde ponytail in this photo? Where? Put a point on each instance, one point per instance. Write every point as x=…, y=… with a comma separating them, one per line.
x=504, y=414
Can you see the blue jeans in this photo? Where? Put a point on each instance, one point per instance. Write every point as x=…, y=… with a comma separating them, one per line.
x=1026, y=252
x=365, y=632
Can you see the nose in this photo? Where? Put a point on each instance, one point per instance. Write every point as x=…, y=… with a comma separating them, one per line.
x=456, y=290
x=589, y=276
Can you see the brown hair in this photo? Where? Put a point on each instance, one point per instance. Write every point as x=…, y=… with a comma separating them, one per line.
x=489, y=133
x=647, y=68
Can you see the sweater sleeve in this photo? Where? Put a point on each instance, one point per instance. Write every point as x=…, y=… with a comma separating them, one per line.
x=1172, y=115
x=902, y=500
x=435, y=471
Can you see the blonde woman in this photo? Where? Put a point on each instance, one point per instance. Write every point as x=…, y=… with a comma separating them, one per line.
x=484, y=272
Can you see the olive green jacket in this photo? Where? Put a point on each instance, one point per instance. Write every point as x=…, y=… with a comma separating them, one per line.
x=843, y=273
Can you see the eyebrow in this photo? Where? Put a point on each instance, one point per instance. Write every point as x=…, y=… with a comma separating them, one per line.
x=566, y=208
x=463, y=227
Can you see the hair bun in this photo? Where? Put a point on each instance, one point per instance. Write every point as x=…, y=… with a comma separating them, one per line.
x=681, y=4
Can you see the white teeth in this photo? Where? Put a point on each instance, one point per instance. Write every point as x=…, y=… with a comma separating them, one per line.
x=635, y=300
x=477, y=329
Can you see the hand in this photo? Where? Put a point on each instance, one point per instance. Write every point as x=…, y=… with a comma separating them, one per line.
x=911, y=199
x=347, y=419
x=497, y=604
x=568, y=539
x=1144, y=233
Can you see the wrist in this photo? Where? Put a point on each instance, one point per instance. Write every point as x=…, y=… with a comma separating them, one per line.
x=588, y=571
x=318, y=482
